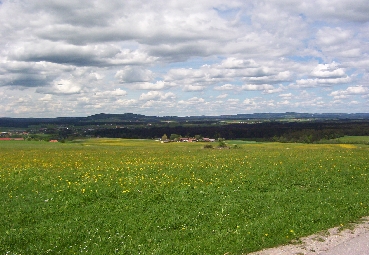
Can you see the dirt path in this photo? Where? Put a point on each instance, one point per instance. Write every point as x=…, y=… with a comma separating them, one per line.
x=322, y=242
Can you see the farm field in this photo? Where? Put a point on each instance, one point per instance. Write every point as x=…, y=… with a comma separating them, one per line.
x=116, y=196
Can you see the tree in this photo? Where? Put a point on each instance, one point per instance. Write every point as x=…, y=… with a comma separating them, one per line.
x=164, y=137
x=174, y=137
x=198, y=137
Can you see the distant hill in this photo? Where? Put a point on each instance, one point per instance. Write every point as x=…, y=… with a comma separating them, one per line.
x=127, y=118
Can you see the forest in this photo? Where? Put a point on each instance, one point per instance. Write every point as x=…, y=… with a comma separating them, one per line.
x=304, y=132
x=286, y=127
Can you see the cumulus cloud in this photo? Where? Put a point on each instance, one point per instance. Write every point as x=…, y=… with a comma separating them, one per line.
x=62, y=86
x=249, y=102
x=233, y=101
x=114, y=93
x=225, y=87
x=234, y=63
x=309, y=83
x=134, y=74
x=189, y=88
x=24, y=74
x=156, y=95
x=273, y=90
x=192, y=101
x=257, y=87
x=328, y=71
x=324, y=75
x=287, y=95
x=126, y=102
x=355, y=90
x=352, y=11
x=332, y=36
x=76, y=58
x=46, y=98
x=57, y=53
x=222, y=96
x=150, y=86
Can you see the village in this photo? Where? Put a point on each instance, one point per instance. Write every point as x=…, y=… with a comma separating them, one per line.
x=178, y=138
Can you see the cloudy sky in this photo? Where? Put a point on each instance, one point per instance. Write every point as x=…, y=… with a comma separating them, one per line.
x=174, y=57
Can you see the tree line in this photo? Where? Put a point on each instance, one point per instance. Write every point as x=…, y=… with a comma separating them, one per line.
x=305, y=132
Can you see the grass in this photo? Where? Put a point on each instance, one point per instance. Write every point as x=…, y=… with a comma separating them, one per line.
x=239, y=142
x=106, y=196
x=353, y=140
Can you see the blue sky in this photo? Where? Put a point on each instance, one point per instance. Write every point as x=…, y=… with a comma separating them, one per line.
x=210, y=57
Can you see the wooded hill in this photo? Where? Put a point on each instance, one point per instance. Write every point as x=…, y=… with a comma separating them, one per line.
x=282, y=127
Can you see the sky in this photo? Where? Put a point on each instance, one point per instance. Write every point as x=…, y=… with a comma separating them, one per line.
x=185, y=58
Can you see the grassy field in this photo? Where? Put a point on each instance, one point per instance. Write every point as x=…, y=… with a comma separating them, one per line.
x=114, y=196
x=353, y=140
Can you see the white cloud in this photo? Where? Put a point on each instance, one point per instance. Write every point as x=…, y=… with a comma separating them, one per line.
x=328, y=71
x=233, y=101
x=46, y=98
x=344, y=10
x=254, y=87
x=324, y=75
x=109, y=94
x=192, y=101
x=126, y=102
x=285, y=102
x=134, y=74
x=249, y=102
x=222, y=96
x=83, y=100
x=189, y=88
x=356, y=90
x=159, y=85
x=156, y=95
x=287, y=95
x=275, y=90
x=225, y=87
x=64, y=86
x=332, y=36
x=76, y=58
x=234, y=63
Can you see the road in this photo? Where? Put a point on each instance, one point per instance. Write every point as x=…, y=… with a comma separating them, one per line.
x=356, y=246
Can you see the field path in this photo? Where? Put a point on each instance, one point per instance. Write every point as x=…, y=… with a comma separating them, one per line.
x=335, y=241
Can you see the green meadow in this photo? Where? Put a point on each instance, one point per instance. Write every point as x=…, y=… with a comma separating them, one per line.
x=353, y=140
x=116, y=196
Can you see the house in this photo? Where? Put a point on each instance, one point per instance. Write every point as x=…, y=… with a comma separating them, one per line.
x=206, y=139
x=187, y=139
x=10, y=139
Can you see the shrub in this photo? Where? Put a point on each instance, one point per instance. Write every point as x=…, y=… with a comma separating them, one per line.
x=222, y=144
